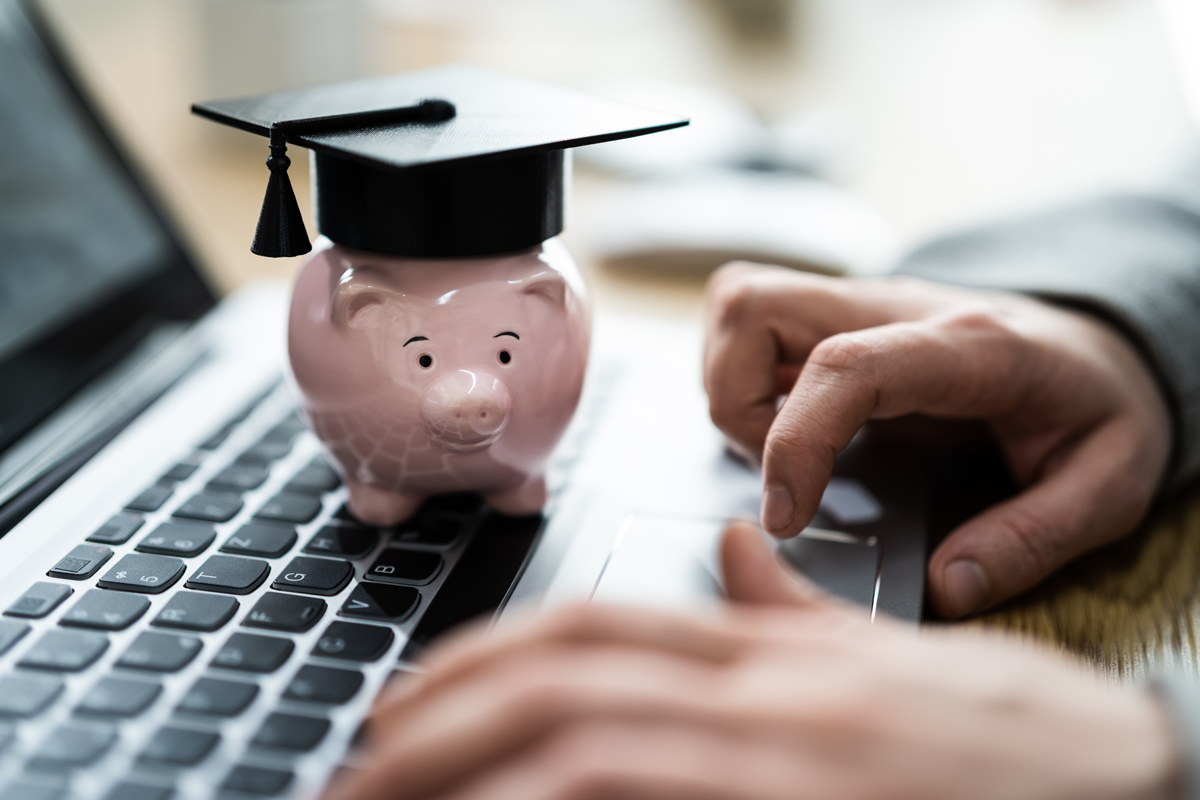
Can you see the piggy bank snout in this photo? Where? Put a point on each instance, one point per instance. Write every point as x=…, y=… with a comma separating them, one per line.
x=465, y=407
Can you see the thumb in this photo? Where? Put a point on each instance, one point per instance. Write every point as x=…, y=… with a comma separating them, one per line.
x=754, y=576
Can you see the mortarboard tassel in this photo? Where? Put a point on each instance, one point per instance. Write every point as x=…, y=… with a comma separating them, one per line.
x=280, y=232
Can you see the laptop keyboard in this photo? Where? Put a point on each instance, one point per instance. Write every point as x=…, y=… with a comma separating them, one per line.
x=222, y=635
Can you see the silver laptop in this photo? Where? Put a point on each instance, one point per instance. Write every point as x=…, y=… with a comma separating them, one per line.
x=188, y=609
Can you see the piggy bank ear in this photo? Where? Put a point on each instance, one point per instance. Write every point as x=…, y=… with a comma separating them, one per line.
x=359, y=292
x=550, y=285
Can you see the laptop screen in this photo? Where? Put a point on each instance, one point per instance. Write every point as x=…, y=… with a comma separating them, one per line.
x=86, y=264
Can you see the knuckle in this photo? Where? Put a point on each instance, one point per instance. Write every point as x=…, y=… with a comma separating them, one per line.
x=535, y=694
x=734, y=297
x=841, y=353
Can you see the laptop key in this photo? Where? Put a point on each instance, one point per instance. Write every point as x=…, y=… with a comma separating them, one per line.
x=196, y=611
x=251, y=653
x=65, y=651
x=81, y=563
x=285, y=612
x=72, y=746
x=117, y=530
x=327, y=685
x=345, y=542
x=142, y=573
x=27, y=695
x=229, y=575
x=160, y=652
x=214, y=697
x=39, y=600
x=396, y=565
x=180, y=746
x=103, y=610
x=323, y=576
x=266, y=451
x=350, y=641
x=291, y=732
x=180, y=472
x=290, y=507
x=317, y=478
x=118, y=697
x=257, y=781
x=183, y=539
x=11, y=632
x=211, y=507
x=240, y=477
x=136, y=790
x=381, y=601
x=265, y=541
x=433, y=528
x=151, y=499
x=217, y=439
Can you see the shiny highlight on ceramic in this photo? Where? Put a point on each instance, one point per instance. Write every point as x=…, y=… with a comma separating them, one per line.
x=423, y=377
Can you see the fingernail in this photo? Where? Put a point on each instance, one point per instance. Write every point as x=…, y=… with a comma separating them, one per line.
x=777, y=508
x=966, y=586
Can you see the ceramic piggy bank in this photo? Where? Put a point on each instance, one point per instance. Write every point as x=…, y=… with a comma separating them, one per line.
x=429, y=376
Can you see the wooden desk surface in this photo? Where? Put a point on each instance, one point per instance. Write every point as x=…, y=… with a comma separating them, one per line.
x=949, y=128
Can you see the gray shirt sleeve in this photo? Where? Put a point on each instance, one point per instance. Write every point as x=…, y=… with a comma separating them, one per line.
x=1133, y=260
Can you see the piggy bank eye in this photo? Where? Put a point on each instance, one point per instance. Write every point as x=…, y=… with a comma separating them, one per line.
x=505, y=357
x=426, y=361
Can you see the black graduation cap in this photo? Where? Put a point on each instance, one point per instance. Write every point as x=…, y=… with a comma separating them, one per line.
x=453, y=161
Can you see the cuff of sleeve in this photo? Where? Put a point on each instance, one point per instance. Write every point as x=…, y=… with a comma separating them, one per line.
x=1180, y=698
x=1133, y=261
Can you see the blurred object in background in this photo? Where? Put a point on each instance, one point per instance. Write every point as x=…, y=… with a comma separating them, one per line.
x=256, y=46
x=755, y=26
x=1181, y=20
x=698, y=220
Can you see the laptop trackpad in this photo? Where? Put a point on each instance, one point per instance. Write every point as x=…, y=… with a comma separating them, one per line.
x=672, y=562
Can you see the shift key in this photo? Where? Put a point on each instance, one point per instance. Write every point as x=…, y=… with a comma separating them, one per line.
x=143, y=573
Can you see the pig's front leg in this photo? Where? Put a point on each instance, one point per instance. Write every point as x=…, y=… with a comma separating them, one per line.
x=528, y=497
x=379, y=507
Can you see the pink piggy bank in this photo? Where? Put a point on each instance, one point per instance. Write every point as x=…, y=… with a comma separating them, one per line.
x=429, y=376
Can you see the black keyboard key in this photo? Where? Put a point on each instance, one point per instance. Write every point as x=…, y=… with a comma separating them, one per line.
x=103, y=610
x=118, y=697
x=217, y=439
x=257, y=781
x=229, y=575
x=290, y=507
x=250, y=653
x=317, y=478
x=7, y=736
x=467, y=503
x=181, y=746
x=143, y=573
x=27, y=695
x=39, y=600
x=264, y=541
x=211, y=507
x=117, y=530
x=196, y=611
x=381, y=601
x=240, y=477
x=183, y=539
x=152, y=499
x=349, y=641
x=433, y=528
x=291, y=732
x=136, y=790
x=11, y=632
x=81, y=563
x=180, y=472
x=27, y=790
x=65, y=651
x=268, y=449
x=323, y=576
x=285, y=612
x=328, y=685
x=345, y=542
x=71, y=746
x=160, y=652
x=213, y=697
x=396, y=565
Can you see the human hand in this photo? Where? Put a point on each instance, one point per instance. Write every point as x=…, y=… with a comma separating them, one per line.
x=1068, y=400
x=788, y=695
